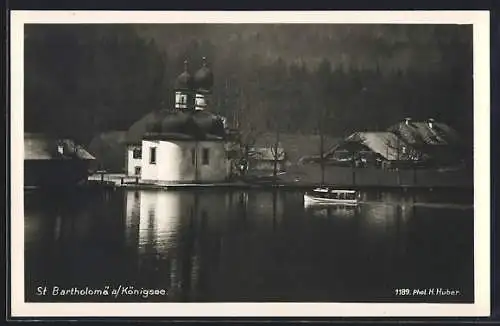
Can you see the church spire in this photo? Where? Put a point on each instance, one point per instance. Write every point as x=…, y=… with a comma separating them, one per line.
x=183, y=88
x=203, y=83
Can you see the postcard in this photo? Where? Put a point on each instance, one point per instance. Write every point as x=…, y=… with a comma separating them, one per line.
x=250, y=164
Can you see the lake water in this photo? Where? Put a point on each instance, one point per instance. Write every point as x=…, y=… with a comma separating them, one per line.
x=257, y=246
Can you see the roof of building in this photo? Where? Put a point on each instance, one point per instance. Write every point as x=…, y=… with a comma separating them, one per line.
x=179, y=136
x=204, y=78
x=384, y=143
x=138, y=129
x=179, y=125
x=425, y=133
x=184, y=81
x=43, y=147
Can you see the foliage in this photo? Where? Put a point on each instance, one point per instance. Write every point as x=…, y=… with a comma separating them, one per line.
x=84, y=79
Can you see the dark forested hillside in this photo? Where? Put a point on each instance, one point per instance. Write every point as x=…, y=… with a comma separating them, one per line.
x=83, y=79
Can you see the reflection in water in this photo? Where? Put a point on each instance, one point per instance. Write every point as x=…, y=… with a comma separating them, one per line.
x=159, y=217
x=337, y=210
x=378, y=217
x=132, y=217
x=247, y=245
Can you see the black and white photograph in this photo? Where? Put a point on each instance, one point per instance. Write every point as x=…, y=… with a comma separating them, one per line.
x=288, y=164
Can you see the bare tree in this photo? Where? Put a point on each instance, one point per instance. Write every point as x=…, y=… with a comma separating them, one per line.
x=276, y=149
x=246, y=122
x=249, y=133
x=247, y=139
x=276, y=152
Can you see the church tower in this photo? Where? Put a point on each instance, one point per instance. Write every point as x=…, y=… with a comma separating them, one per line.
x=184, y=90
x=203, y=83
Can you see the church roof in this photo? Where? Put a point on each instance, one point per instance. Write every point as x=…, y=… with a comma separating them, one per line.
x=184, y=81
x=167, y=124
x=204, y=78
x=141, y=126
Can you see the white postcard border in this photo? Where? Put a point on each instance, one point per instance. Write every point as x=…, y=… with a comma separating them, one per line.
x=481, y=31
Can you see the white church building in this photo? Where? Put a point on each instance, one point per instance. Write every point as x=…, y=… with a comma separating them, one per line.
x=184, y=145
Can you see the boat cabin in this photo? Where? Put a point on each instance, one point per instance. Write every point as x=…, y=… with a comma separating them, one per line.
x=334, y=194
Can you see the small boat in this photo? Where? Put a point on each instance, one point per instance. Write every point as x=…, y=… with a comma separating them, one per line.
x=328, y=196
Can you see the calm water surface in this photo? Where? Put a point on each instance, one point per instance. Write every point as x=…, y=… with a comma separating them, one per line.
x=247, y=246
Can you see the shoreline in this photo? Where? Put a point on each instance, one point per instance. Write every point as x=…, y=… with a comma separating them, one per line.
x=245, y=186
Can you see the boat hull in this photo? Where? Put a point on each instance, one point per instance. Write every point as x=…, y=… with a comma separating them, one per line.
x=312, y=200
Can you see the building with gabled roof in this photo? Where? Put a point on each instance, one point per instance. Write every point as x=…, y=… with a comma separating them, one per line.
x=407, y=142
x=373, y=148
x=50, y=161
x=430, y=132
x=440, y=142
x=386, y=145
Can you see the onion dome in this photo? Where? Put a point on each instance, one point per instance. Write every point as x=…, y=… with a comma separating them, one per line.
x=209, y=123
x=174, y=123
x=184, y=81
x=204, y=78
x=196, y=124
x=152, y=122
x=193, y=125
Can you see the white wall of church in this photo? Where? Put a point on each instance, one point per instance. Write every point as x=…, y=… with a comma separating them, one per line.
x=132, y=162
x=218, y=166
x=175, y=161
x=149, y=170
